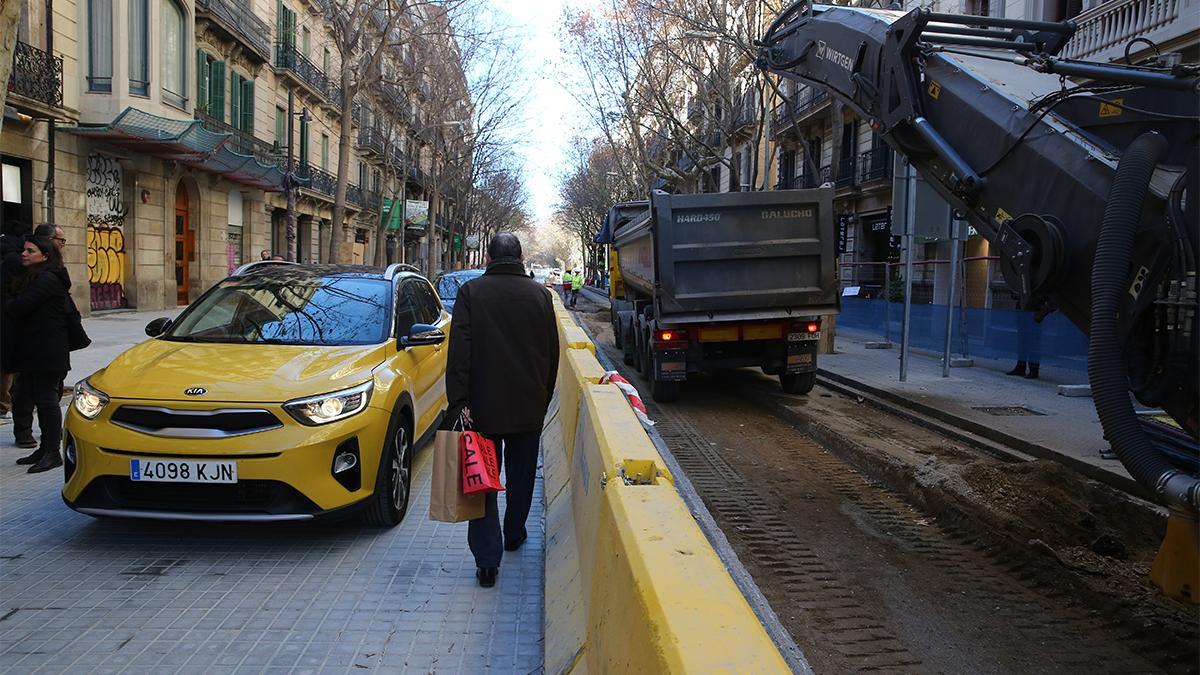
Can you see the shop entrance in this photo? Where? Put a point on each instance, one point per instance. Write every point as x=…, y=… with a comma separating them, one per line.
x=185, y=245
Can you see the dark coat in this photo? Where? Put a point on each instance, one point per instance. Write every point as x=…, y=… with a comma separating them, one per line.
x=503, y=357
x=38, y=312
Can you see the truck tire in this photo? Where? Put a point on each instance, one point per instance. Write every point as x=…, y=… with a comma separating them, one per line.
x=628, y=348
x=616, y=329
x=797, y=383
x=663, y=392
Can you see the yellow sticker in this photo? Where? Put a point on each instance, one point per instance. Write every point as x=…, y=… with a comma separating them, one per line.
x=1109, y=110
x=935, y=89
x=1002, y=216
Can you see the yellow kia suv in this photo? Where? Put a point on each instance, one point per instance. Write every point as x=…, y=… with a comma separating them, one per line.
x=285, y=392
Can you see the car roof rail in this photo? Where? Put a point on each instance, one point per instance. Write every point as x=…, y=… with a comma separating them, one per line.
x=260, y=264
x=396, y=268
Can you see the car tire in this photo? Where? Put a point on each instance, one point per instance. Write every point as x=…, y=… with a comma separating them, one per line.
x=393, y=481
x=797, y=383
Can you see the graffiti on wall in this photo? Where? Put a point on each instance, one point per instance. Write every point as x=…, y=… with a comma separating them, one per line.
x=105, y=233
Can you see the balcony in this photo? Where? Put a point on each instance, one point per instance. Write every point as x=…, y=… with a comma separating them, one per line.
x=242, y=142
x=363, y=198
x=300, y=70
x=825, y=175
x=36, y=75
x=1105, y=30
x=875, y=164
x=694, y=110
x=845, y=175
x=235, y=20
x=371, y=141
x=799, y=108
x=315, y=180
x=745, y=116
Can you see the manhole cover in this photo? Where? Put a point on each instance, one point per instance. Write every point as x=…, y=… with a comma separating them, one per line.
x=1007, y=410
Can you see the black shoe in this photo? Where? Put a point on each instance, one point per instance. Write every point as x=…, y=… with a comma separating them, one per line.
x=49, y=460
x=1018, y=369
x=23, y=442
x=514, y=544
x=1033, y=373
x=31, y=458
x=486, y=576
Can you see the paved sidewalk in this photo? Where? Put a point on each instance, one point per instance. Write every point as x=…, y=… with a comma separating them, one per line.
x=1028, y=410
x=81, y=595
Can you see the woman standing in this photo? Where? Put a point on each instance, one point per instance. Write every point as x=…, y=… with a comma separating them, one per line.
x=41, y=357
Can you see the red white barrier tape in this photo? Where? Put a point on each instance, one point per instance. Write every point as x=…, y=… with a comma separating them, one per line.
x=631, y=395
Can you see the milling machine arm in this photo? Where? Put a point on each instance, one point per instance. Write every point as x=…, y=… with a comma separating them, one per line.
x=1082, y=189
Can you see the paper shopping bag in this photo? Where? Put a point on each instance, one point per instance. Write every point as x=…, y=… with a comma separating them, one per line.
x=447, y=502
x=481, y=467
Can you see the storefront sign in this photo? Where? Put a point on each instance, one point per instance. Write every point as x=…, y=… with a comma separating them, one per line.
x=843, y=233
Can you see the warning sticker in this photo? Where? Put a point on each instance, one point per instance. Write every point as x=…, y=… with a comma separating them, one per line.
x=935, y=89
x=1109, y=110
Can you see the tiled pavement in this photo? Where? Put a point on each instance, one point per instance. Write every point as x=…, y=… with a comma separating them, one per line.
x=80, y=595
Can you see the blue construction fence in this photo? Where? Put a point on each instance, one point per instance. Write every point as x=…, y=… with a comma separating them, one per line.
x=1004, y=334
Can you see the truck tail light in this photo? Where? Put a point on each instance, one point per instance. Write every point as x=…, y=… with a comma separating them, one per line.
x=806, y=326
x=670, y=335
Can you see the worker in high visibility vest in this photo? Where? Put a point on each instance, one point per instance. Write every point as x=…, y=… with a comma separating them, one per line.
x=566, y=285
x=576, y=286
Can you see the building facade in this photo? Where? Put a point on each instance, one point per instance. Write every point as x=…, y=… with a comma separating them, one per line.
x=180, y=125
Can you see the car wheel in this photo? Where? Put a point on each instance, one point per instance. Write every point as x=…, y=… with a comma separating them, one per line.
x=394, y=480
x=797, y=383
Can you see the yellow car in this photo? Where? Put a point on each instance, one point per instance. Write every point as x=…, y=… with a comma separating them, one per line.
x=285, y=392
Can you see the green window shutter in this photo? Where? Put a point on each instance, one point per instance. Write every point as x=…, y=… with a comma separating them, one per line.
x=303, y=142
x=248, y=106
x=216, y=89
x=280, y=127
x=201, y=79
x=235, y=99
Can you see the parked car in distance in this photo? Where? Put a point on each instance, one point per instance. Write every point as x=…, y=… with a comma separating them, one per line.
x=448, y=283
x=285, y=392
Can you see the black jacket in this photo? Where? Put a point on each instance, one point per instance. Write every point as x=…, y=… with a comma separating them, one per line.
x=503, y=357
x=38, y=312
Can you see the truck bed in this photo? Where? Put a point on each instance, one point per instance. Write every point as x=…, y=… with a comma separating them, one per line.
x=743, y=255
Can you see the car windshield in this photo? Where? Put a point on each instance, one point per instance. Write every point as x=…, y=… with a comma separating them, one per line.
x=449, y=284
x=285, y=309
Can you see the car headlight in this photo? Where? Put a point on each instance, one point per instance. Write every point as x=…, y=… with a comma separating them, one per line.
x=88, y=400
x=330, y=407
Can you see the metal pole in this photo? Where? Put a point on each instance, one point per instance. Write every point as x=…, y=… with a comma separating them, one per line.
x=887, y=301
x=910, y=192
x=289, y=182
x=50, y=122
x=950, y=295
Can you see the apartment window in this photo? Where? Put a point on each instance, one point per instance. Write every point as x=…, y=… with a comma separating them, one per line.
x=139, y=55
x=100, y=45
x=280, y=126
x=305, y=42
x=241, y=103
x=304, y=142
x=362, y=175
x=174, y=67
x=325, y=60
x=325, y=152
x=210, y=85
x=287, y=28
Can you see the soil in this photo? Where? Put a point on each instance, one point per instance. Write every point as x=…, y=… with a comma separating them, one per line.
x=886, y=546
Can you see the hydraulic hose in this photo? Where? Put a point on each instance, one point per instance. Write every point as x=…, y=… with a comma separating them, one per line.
x=1106, y=367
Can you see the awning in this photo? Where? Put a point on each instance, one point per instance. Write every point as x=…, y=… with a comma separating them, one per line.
x=184, y=141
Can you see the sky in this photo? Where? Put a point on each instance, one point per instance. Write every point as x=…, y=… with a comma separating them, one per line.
x=551, y=117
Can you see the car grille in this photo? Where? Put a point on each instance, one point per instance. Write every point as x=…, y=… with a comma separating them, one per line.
x=194, y=423
x=245, y=496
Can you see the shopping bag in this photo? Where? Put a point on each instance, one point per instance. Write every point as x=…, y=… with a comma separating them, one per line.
x=481, y=466
x=447, y=502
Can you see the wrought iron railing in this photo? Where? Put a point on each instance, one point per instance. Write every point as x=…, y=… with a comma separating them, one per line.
x=239, y=20
x=334, y=93
x=875, y=164
x=795, y=109
x=241, y=141
x=36, y=75
x=371, y=139
x=288, y=57
x=825, y=175
x=312, y=178
x=694, y=109
x=845, y=176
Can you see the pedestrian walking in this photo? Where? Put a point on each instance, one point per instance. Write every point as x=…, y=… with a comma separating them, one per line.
x=11, y=245
x=41, y=354
x=576, y=286
x=502, y=365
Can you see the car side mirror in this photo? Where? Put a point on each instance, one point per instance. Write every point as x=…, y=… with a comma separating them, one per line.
x=423, y=334
x=158, y=326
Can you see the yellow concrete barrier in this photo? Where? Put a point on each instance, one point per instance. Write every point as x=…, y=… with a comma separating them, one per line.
x=632, y=584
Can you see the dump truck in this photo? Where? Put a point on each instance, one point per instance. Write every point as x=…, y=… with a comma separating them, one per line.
x=723, y=280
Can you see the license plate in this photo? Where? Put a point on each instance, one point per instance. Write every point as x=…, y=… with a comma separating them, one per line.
x=182, y=471
x=804, y=337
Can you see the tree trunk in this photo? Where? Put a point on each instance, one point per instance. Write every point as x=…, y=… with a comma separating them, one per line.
x=10, y=14
x=343, y=169
x=434, y=210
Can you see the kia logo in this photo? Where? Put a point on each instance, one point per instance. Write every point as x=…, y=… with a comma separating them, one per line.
x=195, y=391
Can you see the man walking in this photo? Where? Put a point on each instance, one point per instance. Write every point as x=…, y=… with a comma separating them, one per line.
x=576, y=286
x=502, y=365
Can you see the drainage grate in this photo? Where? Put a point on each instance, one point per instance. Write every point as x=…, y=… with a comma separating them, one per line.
x=1008, y=410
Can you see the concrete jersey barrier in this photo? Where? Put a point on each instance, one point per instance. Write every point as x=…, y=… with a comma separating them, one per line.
x=632, y=584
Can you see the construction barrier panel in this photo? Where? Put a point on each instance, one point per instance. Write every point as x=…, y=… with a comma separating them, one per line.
x=632, y=584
